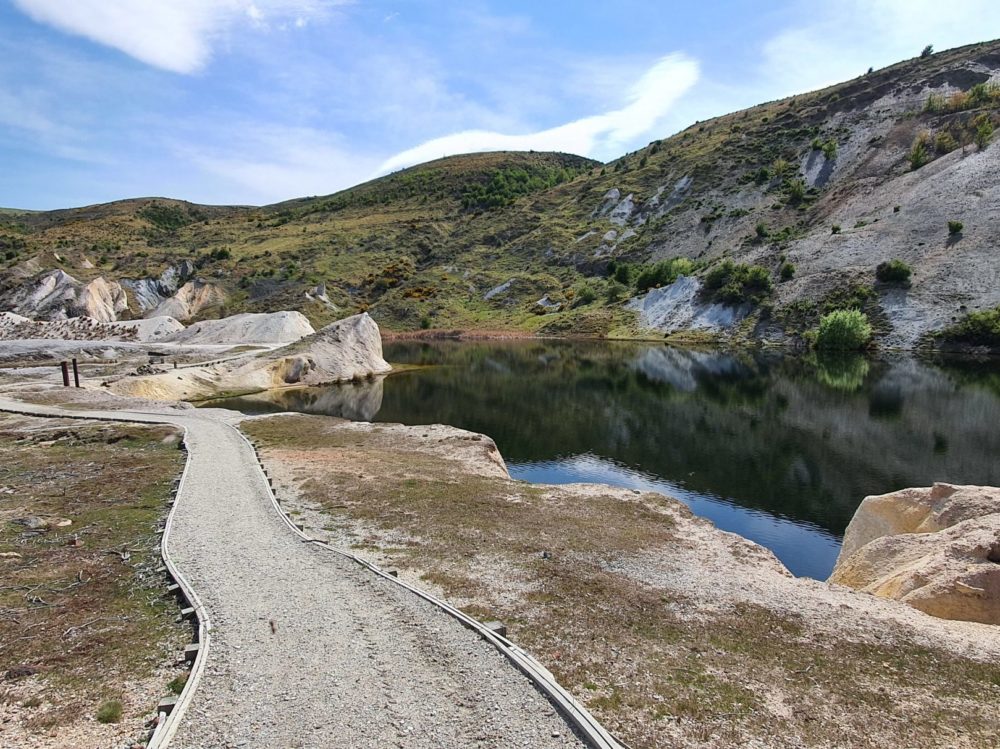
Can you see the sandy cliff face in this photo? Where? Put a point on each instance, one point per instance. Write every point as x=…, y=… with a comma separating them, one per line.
x=937, y=549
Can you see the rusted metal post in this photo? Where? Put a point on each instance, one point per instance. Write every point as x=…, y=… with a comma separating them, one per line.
x=76, y=374
x=65, y=371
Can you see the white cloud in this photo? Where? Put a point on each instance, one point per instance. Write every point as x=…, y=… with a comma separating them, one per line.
x=176, y=35
x=273, y=163
x=601, y=135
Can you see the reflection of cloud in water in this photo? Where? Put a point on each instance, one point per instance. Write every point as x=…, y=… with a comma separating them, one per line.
x=804, y=548
x=681, y=369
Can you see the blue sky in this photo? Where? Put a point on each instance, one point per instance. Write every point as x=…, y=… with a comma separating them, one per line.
x=256, y=101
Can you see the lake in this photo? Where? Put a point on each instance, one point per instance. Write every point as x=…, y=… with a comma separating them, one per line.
x=780, y=449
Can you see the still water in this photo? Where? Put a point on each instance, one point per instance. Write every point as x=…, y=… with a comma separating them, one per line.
x=779, y=449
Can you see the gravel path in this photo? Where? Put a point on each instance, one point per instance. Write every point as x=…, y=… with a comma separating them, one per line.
x=311, y=650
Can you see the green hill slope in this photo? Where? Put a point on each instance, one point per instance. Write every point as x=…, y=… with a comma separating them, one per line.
x=816, y=191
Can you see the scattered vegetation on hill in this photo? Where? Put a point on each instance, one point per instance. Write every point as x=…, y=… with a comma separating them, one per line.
x=975, y=329
x=737, y=283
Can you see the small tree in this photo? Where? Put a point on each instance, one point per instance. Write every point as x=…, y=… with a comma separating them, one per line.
x=984, y=131
x=787, y=271
x=918, y=152
x=843, y=330
x=927, y=51
x=955, y=228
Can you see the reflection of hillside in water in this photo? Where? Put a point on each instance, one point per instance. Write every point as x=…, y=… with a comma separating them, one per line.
x=796, y=437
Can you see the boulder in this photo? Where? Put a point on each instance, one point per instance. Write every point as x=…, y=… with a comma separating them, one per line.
x=936, y=549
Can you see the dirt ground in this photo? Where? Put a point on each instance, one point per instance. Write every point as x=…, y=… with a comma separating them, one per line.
x=672, y=632
x=84, y=622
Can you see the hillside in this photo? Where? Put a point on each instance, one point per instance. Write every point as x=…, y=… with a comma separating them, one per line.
x=817, y=190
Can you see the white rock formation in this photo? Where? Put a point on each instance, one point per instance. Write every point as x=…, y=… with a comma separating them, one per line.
x=250, y=328
x=676, y=307
x=349, y=349
x=936, y=549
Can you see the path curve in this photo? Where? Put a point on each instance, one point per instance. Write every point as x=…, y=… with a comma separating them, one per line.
x=308, y=648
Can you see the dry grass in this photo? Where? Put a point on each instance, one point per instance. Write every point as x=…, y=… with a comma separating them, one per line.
x=650, y=662
x=81, y=605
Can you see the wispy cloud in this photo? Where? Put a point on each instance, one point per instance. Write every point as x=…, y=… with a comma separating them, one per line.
x=176, y=35
x=601, y=135
x=269, y=163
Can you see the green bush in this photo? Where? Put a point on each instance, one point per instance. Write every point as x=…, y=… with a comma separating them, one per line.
x=796, y=191
x=663, y=273
x=984, y=131
x=584, y=293
x=736, y=283
x=787, y=271
x=830, y=149
x=835, y=229
x=843, y=330
x=109, y=712
x=761, y=230
x=919, y=155
x=955, y=227
x=893, y=272
x=927, y=51
x=976, y=328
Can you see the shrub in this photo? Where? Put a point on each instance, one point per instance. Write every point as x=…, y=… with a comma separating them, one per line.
x=584, y=294
x=780, y=168
x=796, y=191
x=918, y=152
x=944, y=142
x=109, y=712
x=787, y=271
x=835, y=229
x=761, y=230
x=976, y=328
x=955, y=228
x=893, y=272
x=984, y=131
x=927, y=51
x=830, y=149
x=843, y=330
x=663, y=273
x=732, y=283
x=762, y=176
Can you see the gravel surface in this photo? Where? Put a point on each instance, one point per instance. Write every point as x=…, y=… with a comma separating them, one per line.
x=311, y=650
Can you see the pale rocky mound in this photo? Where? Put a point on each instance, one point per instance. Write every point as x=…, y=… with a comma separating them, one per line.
x=936, y=549
x=151, y=328
x=349, y=349
x=56, y=295
x=265, y=328
x=190, y=299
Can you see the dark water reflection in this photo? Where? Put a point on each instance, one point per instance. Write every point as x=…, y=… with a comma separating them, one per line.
x=778, y=449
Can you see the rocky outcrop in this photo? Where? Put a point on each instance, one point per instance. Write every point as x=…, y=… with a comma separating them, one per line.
x=677, y=307
x=349, y=349
x=191, y=299
x=101, y=300
x=56, y=295
x=936, y=549
x=150, y=293
x=262, y=328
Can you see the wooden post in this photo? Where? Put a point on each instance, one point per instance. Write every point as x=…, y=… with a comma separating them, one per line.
x=76, y=374
x=65, y=372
